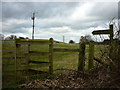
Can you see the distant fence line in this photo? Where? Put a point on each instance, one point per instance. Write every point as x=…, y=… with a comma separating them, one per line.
x=7, y=41
x=18, y=43
x=28, y=64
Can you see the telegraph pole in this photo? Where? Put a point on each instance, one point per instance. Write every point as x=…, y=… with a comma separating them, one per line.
x=33, y=18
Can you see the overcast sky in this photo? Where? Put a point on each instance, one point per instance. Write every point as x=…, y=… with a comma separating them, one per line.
x=55, y=19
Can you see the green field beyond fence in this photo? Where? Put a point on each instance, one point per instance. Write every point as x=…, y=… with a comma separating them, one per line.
x=61, y=58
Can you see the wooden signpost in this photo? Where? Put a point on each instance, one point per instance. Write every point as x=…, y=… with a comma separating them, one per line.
x=101, y=32
x=107, y=31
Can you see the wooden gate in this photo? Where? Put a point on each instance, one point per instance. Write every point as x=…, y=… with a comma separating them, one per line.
x=27, y=64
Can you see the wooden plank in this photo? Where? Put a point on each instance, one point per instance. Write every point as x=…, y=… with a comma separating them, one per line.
x=65, y=50
x=97, y=32
x=99, y=43
x=91, y=55
x=102, y=43
x=81, y=59
x=38, y=53
x=36, y=71
x=7, y=64
x=25, y=67
x=8, y=50
x=12, y=57
x=38, y=62
x=99, y=61
x=32, y=42
x=51, y=55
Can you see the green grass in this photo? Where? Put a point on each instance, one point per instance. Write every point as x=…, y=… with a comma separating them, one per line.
x=68, y=60
x=61, y=59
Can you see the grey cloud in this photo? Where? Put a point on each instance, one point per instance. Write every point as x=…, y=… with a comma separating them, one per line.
x=42, y=9
x=14, y=26
x=104, y=10
x=55, y=14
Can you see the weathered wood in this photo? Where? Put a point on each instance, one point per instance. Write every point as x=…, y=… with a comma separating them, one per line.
x=17, y=47
x=65, y=50
x=81, y=61
x=8, y=50
x=100, y=43
x=7, y=64
x=111, y=32
x=97, y=32
x=36, y=53
x=51, y=55
x=91, y=55
x=32, y=42
x=99, y=61
x=27, y=58
x=38, y=62
x=37, y=71
x=114, y=51
x=113, y=44
x=25, y=67
x=12, y=57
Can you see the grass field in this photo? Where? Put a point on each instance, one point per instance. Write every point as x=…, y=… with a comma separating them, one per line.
x=67, y=60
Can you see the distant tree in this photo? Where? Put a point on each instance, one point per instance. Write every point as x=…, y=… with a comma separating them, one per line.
x=71, y=41
x=21, y=38
x=13, y=37
x=86, y=38
x=1, y=37
x=7, y=38
x=27, y=38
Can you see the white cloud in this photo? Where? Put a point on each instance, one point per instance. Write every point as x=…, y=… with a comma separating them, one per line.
x=81, y=11
x=59, y=30
x=15, y=25
x=60, y=0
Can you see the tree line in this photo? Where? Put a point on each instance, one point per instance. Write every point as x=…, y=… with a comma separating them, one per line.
x=2, y=37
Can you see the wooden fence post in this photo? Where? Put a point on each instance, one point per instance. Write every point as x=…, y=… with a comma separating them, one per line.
x=51, y=55
x=17, y=48
x=111, y=54
x=111, y=32
x=91, y=55
x=81, y=62
x=27, y=60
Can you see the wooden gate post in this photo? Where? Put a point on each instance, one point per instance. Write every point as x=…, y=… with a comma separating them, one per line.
x=111, y=32
x=51, y=55
x=17, y=48
x=27, y=58
x=111, y=54
x=91, y=55
x=81, y=62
